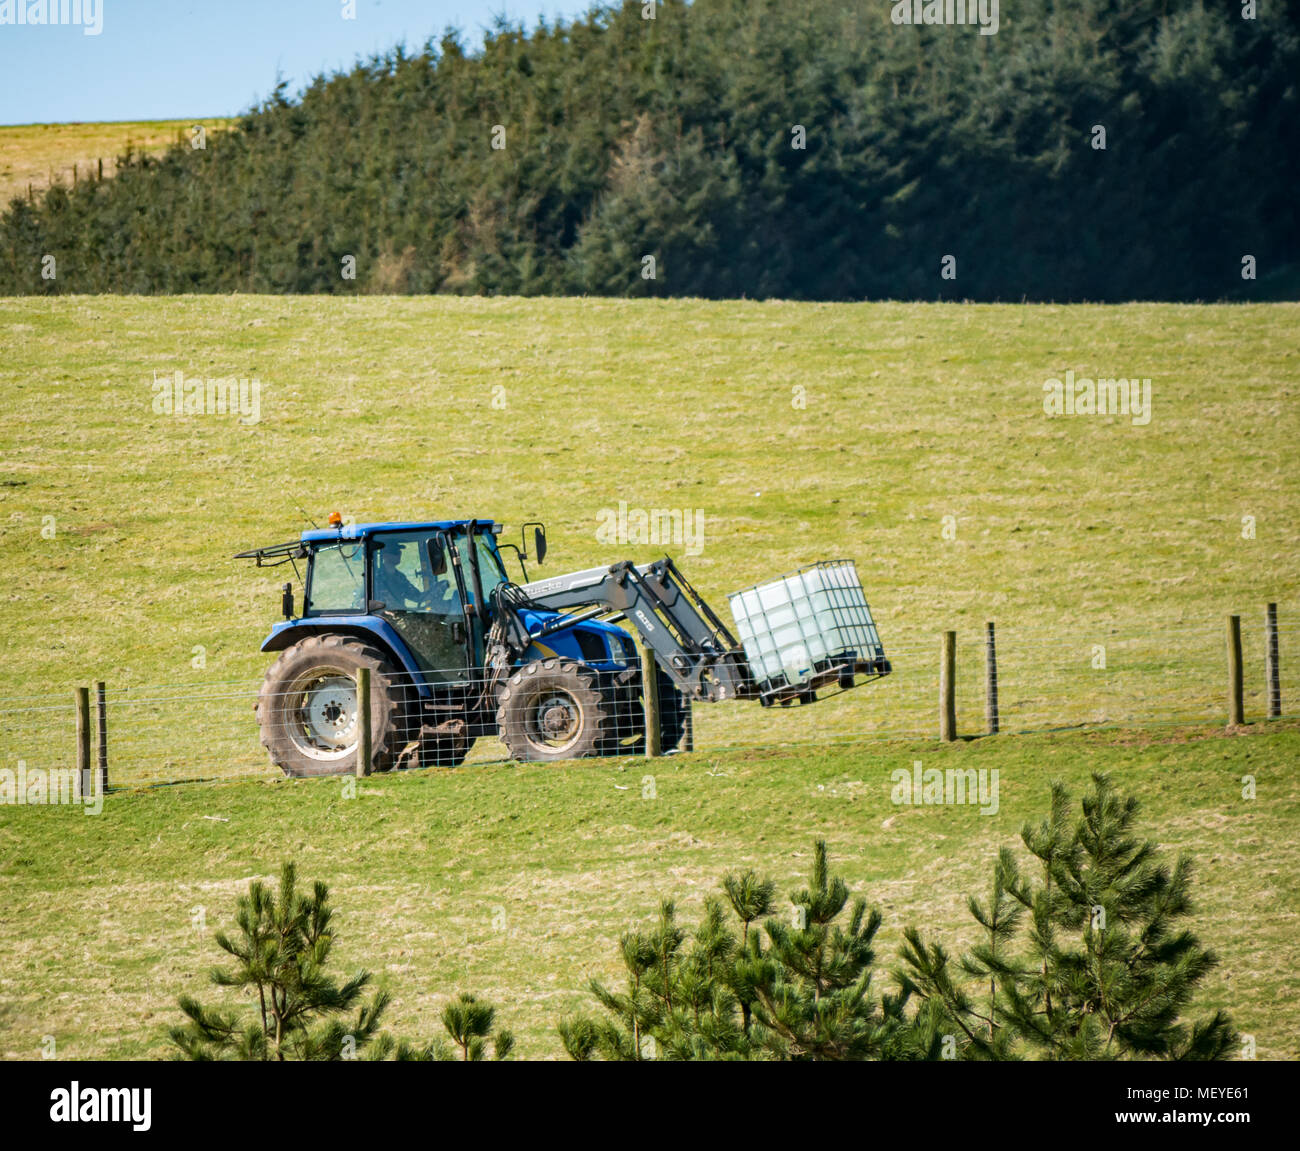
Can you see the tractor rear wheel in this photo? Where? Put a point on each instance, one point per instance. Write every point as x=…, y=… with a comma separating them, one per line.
x=554, y=709
x=307, y=708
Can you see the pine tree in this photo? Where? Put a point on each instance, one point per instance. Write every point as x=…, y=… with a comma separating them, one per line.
x=281, y=950
x=1106, y=967
x=468, y=1021
x=627, y=1031
x=813, y=985
x=751, y=900
x=672, y=137
x=717, y=994
x=945, y=1003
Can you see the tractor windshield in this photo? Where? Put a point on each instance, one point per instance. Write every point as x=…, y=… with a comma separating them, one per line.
x=491, y=571
x=337, y=580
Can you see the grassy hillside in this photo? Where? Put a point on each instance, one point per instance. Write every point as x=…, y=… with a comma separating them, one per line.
x=1070, y=532
x=118, y=523
x=515, y=882
x=38, y=155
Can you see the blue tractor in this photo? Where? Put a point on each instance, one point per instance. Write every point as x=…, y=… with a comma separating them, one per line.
x=457, y=651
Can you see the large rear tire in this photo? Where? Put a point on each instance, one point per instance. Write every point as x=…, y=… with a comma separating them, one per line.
x=307, y=708
x=554, y=709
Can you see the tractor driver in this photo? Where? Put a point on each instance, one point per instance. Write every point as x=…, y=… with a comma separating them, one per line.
x=391, y=584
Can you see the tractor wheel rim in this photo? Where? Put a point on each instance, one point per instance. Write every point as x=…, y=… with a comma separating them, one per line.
x=324, y=720
x=554, y=721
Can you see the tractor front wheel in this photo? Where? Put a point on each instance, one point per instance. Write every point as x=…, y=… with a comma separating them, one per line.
x=307, y=708
x=554, y=709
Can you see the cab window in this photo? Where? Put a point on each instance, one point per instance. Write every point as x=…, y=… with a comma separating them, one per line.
x=404, y=579
x=490, y=569
x=337, y=579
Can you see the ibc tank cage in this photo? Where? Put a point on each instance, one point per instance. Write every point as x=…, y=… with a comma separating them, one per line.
x=808, y=627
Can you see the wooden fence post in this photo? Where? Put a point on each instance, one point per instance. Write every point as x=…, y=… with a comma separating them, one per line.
x=82, y=695
x=1272, y=674
x=363, y=722
x=101, y=706
x=1236, y=710
x=650, y=692
x=947, y=687
x=990, y=680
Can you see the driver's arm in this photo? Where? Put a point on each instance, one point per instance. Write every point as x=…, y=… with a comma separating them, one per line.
x=402, y=592
x=411, y=592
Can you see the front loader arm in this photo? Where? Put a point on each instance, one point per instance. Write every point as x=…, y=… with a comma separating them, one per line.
x=689, y=641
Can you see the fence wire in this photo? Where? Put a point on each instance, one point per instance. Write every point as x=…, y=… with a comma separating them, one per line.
x=177, y=732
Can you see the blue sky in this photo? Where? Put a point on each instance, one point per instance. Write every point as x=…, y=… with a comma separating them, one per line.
x=174, y=59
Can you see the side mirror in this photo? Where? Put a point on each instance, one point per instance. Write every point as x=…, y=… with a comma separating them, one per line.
x=539, y=544
x=437, y=557
x=286, y=600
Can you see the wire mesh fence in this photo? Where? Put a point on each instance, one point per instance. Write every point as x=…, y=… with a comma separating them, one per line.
x=172, y=733
x=1042, y=683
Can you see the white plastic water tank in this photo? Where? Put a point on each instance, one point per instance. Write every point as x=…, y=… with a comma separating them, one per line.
x=811, y=617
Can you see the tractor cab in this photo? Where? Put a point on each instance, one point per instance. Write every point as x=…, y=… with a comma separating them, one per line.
x=430, y=583
x=417, y=604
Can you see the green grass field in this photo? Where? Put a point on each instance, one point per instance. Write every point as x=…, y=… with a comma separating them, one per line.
x=119, y=522
x=801, y=432
x=515, y=882
x=37, y=155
